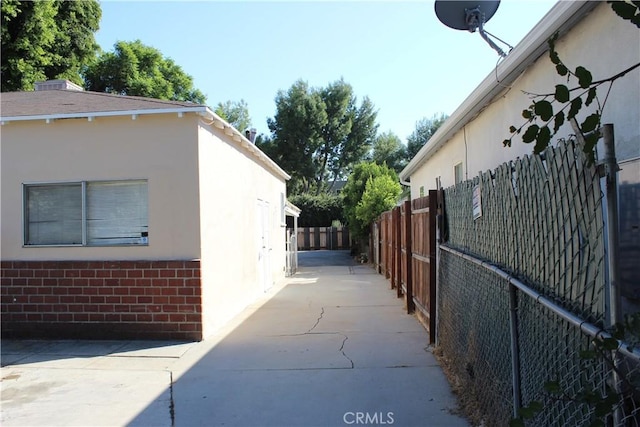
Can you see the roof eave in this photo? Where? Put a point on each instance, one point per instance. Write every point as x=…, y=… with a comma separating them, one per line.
x=205, y=111
x=94, y=114
x=562, y=17
x=245, y=144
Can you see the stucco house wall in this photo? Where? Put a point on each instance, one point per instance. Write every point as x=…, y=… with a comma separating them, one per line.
x=162, y=149
x=229, y=180
x=204, y=183
x=600, y=41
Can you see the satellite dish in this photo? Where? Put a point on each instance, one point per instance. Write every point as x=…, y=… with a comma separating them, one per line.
x=469, y=16
x=465, y=15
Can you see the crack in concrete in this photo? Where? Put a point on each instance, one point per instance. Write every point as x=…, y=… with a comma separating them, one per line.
x=342, y=350
x=310, y=332
x=317, y=321
x=172, y=407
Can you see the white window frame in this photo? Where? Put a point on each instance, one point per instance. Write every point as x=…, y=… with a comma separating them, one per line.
x=455, y=178
x=84, y=224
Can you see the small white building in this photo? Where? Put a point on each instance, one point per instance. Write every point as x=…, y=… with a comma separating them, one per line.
x=132, y=217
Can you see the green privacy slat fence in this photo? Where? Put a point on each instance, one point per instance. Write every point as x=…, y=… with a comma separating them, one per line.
x=542, y=223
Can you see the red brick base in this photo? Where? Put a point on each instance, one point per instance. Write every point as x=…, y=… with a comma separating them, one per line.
x=101, y=299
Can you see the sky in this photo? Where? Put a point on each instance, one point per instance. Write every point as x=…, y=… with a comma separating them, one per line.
x=397, y=53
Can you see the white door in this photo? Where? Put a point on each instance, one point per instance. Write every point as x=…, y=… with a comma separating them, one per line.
x=264, y=246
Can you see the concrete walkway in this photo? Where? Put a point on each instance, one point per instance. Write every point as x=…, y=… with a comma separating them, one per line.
x=330, y=347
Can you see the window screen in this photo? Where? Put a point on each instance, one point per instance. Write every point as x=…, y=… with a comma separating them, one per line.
x=116, y=213
x=54, y=215
x=88, y=213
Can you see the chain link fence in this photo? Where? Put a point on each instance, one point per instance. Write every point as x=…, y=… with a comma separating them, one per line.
x=522, y=295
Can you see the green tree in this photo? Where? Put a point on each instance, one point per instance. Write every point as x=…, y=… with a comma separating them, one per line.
x=380, y=194
x=355, y=188
x=550, y=111
x=295, y=134
x=135, y=69
x=43, y=40
x=235, y=113
x=425, y=129
x=317, y=135
x=387, y=148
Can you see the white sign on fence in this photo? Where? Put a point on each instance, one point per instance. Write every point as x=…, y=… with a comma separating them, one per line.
x=477, y=202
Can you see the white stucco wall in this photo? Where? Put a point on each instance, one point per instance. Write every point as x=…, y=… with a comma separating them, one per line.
x=601, y=42
x=161, y=149
x=231, y=184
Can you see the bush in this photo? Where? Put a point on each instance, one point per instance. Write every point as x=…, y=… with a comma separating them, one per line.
x=318, y=211
x=353, y=192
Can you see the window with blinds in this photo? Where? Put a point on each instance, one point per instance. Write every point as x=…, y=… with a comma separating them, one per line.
x=87, y=213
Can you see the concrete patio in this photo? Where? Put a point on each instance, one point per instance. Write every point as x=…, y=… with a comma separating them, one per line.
x=332, y=346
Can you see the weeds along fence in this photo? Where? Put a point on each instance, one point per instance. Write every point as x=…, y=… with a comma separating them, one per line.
x=332, y=238
x=523, y=292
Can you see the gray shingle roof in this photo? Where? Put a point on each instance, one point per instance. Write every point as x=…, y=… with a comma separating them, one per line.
x=53, y=102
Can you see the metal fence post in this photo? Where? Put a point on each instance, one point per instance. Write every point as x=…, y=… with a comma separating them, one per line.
x=611, y=177
x=515, y=349
x=613, y=311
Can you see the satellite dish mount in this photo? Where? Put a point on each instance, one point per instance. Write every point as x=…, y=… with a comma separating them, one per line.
x=470, y=16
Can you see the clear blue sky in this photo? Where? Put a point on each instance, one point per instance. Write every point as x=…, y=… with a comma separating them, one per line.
x=395, y=52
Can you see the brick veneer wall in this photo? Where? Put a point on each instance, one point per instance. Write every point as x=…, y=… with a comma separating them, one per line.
x=101, y=299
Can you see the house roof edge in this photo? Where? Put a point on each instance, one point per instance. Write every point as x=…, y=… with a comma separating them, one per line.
x=560, y=18
x=244, y=144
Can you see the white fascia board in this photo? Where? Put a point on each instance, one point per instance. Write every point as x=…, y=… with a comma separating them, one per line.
x=243, y=143
x=291, y=209
x=561, y=18
x=91, y=115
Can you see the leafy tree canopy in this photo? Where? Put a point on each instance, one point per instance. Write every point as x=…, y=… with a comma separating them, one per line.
x=380, y=194
x=387, y=148
x=43, y=40
x=318, y=134
x=354, y=190
x=135, y=69
x=425, y=129
x=235, y=113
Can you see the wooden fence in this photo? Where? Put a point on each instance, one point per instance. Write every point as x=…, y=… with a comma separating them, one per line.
x=404, y=250
x=332, y=238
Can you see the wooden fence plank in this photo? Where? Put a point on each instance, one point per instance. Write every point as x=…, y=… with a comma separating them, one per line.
x=408, y=256
x=313, y=238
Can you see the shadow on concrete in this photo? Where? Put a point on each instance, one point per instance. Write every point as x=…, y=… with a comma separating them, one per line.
x=325, y=350
x=32, y=352
x=332, y=346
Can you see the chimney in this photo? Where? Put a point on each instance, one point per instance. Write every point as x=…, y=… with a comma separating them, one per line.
x=57, y=85
x=250, y=134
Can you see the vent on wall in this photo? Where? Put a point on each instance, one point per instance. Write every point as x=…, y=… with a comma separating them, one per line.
x=57, y=85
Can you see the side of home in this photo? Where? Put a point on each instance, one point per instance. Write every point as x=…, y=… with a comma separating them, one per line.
x=591, y=35
x=131, y=217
